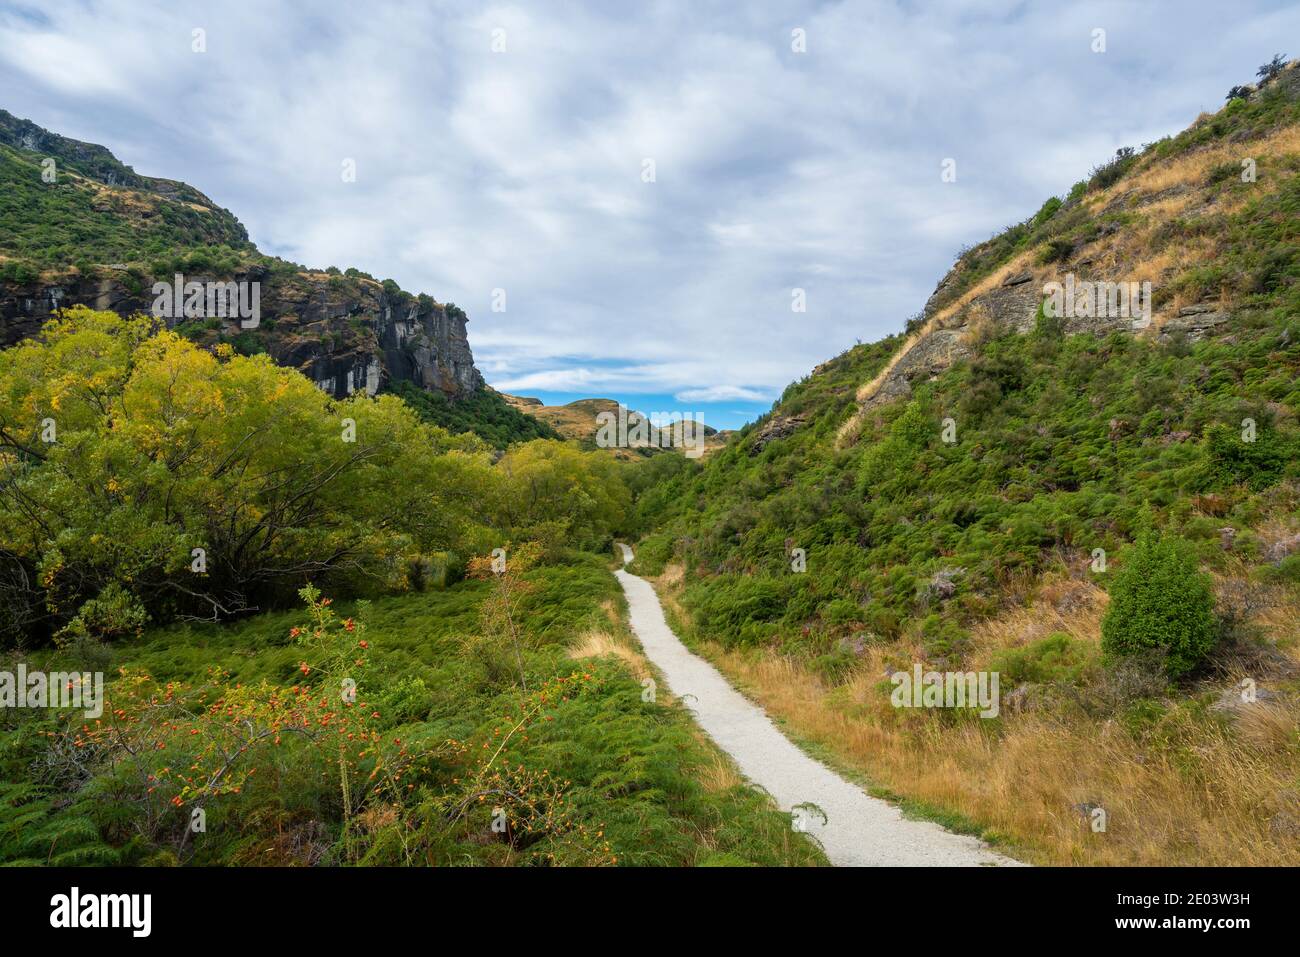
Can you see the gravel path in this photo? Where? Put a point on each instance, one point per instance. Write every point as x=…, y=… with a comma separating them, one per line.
x=858, y=830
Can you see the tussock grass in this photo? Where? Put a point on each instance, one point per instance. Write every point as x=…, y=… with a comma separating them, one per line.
x=1181, y=783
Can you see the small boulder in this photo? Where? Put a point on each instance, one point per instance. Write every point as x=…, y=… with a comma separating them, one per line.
x=1018, y=699
x=943, y=583
x=855, y=645
x=778, y=427
x=1282, y=548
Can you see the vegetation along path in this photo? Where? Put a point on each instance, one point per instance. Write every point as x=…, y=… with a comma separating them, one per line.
x=854, y=828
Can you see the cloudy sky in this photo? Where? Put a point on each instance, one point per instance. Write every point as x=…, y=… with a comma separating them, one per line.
x=509, y=147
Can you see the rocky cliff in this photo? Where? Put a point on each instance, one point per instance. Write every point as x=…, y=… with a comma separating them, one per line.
x=97, y=233
x=347, y=336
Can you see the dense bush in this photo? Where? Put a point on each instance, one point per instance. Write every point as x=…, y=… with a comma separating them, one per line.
x=142, y=475
x=1160, y=604
x=440, y=740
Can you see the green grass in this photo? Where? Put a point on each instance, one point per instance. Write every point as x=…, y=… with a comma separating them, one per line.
x=632, y=766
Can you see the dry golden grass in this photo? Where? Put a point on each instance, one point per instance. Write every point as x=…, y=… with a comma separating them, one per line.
x=614, y=641
x=1192, y=168
x=1074, y=607
x=596, y=643
x=720, y=773
x=1207, y=791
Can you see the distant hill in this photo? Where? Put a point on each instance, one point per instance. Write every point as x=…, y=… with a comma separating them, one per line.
x=579, y=420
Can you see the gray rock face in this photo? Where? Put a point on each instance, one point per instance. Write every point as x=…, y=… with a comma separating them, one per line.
x=778, y=427
x=428, y=346
x=346, y=337
x=1281, y=549
x=943, y=584
x=1195, y=322
x=1013, y=304
x=931, y=355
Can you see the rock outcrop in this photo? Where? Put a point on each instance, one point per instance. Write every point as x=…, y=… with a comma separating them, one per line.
x=952, y=326
x=347, y=337
x=1137, y=224
x=346, y=331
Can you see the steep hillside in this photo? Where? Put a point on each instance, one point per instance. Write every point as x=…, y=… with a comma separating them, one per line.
x=1206, y=217
x=79, y=227
x=965, y=496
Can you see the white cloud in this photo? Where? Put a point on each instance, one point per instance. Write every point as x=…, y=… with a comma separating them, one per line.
x=723, y=393
x=522, y=169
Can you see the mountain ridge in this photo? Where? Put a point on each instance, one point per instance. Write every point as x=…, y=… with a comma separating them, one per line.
x=119, y=232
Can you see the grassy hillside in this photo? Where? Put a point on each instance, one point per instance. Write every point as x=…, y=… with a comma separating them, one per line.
x=971, y=509
x=78, y=219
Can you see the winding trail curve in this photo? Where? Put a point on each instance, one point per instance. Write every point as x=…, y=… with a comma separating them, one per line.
x=858, y=830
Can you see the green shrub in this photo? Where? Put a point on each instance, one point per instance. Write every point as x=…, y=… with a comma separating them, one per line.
x=1257, y=464
x=1055, y=659
x=1046, y=211
x=1160, y=603
x=1112, y=172
x=1054, y=251
x=944, y=639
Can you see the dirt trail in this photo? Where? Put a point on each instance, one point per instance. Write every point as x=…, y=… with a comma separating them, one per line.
x=857, y=830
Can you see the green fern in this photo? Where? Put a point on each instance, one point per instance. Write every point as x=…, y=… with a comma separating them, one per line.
x=33, y=833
